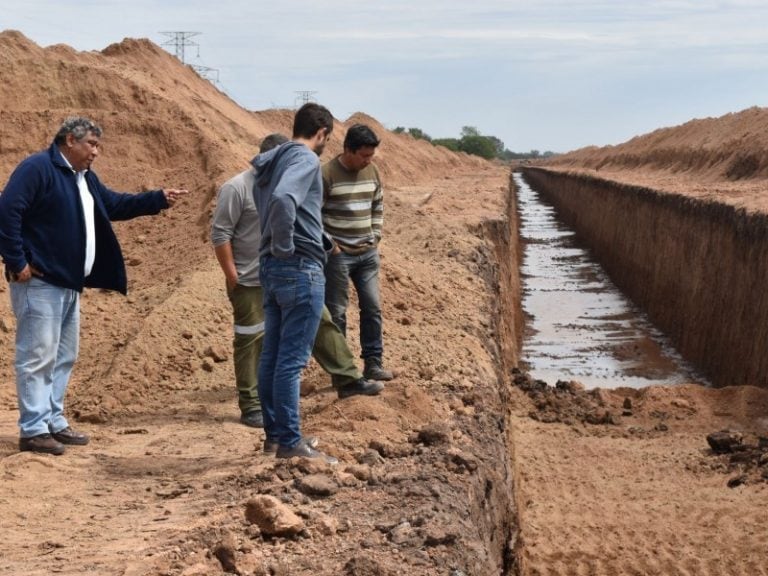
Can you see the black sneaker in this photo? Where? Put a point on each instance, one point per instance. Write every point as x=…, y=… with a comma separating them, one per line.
x=361, y=387
x=43, y=443
x=374, y=371
x=270, y=447
x=254, y=419
x=303, y=450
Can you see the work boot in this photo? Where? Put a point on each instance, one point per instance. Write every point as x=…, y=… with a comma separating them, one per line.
x=270, y=447
x=374, y=371
x=69, y=436
x=44, y=443
x=304, y=450
x=254, y=419
x=361, y=387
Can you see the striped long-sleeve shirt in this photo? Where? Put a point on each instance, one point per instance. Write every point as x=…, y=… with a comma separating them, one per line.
x=353, y=206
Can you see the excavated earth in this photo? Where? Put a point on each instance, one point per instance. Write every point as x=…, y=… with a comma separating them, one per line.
x=463, y=466
x=424, y=485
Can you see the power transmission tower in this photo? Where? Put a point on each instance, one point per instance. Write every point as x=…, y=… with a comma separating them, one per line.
x=304, y=96
x=180, y=40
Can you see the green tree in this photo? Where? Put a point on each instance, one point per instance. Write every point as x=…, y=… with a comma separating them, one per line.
x=498, y=145
x=479, y=146
x=450, y=143
x=419, y=134
x=468, y=131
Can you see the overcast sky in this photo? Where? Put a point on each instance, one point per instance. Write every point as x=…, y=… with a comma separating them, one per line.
x=538, y=74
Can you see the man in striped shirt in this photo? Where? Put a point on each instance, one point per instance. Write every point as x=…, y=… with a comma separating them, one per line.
x=353, y=214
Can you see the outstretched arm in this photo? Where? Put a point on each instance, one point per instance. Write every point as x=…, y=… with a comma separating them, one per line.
x=173, y=194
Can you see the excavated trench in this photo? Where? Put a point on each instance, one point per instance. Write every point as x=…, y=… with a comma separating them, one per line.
x=695, y=268
x=579, y=326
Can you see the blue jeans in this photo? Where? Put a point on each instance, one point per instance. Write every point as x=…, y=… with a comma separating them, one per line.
x=293, y=302
x=363, y=270
x=47, y=337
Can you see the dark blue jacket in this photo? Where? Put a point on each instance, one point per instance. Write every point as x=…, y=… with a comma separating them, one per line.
x=42, y=223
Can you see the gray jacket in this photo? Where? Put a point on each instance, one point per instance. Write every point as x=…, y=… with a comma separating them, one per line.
x=289, y=196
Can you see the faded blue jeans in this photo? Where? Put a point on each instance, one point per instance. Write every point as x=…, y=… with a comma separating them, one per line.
x=363, y=270
x=47, y=338
x=293, y=302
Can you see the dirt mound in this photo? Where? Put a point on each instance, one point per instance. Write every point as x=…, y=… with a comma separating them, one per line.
x=727, y=148
x=719, y=159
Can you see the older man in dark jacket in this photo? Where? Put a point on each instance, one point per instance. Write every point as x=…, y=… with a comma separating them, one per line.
x=56, y=239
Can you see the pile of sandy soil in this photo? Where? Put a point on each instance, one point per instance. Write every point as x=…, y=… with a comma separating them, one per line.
x=721, y=159
x=458, y=468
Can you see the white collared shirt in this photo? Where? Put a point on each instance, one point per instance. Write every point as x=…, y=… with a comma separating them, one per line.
x=86, y=200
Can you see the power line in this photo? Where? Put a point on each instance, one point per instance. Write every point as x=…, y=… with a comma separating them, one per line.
x=304, y=96
x=180, y=40
x=210, y=74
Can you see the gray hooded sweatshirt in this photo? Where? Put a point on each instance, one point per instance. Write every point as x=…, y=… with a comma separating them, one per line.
x=289, y=196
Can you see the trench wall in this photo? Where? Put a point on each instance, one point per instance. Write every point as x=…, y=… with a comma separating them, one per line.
x=495, y=506
x=504, y=236
x=698, y=268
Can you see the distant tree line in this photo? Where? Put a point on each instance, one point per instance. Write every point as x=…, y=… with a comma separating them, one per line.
x=472, y=142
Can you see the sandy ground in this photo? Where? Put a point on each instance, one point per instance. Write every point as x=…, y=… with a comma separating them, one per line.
x=605, y=483
x=644, y=495
x=165, y=482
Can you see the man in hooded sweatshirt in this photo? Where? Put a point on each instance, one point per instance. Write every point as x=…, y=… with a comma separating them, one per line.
x=236, y=237
x=289, y=195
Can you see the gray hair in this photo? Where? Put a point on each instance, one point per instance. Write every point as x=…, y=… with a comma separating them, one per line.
x=79, y=127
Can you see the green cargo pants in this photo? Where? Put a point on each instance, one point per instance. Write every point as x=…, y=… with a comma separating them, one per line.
x=330, y=350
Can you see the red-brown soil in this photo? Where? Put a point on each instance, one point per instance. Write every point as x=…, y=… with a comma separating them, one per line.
x=448, y=451
x=646, y=494
x=722, y=159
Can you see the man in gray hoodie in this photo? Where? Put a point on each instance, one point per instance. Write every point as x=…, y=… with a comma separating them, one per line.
x=289, y=194
x=236, y=237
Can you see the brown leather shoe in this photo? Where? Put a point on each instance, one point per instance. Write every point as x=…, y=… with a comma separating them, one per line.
x=44, y=443
x=69, y=436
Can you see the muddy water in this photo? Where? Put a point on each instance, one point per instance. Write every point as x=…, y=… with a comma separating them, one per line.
x=579, y=326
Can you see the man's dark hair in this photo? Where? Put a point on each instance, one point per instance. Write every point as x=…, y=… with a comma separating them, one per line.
x=310, y=118
x=79, y=127
x=360, y=136
x=272, y=141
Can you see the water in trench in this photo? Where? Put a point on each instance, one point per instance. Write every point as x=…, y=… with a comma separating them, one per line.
x=579, y=326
